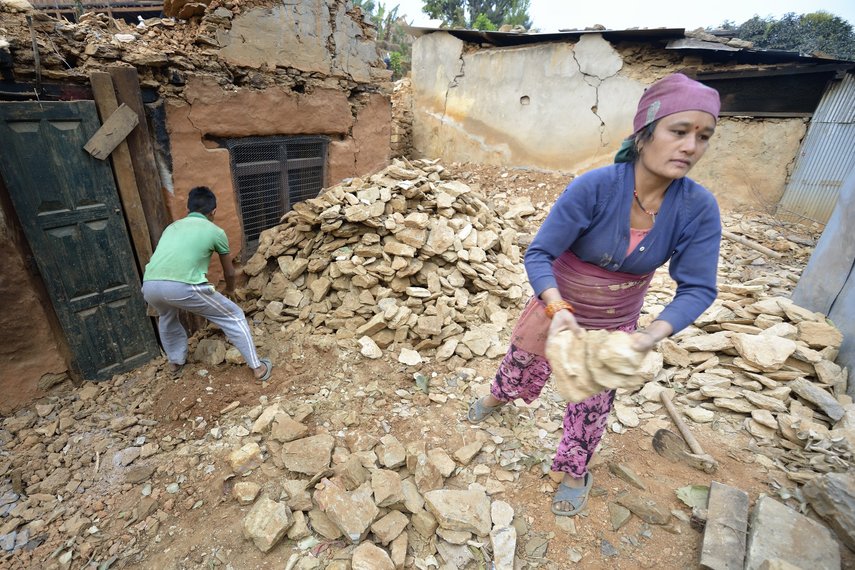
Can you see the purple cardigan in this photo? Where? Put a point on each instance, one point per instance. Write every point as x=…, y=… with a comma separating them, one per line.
x=591, y=218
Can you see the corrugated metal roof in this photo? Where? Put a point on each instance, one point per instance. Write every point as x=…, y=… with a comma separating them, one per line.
x=825, y=157
x=838, y=105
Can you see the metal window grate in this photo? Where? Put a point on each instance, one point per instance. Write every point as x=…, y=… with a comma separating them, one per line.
x=270, y=175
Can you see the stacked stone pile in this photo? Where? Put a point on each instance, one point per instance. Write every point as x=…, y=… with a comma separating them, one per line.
x=404, y=256
x=773, y=362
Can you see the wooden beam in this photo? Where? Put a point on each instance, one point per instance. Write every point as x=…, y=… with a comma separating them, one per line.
x=748, y=243
x=764, y=114
x=769, y=72
x=726, y=530
x=112, y=132
x=105, y=100
x=142, y=153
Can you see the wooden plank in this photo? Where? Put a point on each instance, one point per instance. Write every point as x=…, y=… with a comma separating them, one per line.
x=123, y=168
x=771, y=115
x=726, y=530
x=142, y=153
x=112, y=132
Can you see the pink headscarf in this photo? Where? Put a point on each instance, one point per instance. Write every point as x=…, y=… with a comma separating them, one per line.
x=673, y=94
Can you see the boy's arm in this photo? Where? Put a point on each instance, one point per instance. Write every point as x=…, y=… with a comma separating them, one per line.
x=228, y=272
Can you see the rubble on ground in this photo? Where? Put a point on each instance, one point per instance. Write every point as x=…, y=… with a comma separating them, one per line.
x=321, y=473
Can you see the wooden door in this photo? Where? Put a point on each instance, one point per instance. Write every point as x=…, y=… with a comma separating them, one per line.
x=67, y=204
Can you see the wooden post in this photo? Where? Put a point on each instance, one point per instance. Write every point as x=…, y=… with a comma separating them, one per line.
x=142, y=153
x=105, y=99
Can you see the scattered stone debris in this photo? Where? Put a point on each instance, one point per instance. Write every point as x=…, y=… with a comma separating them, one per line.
x=329, y=479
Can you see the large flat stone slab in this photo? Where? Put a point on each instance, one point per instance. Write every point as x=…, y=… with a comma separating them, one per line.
x=724, y=536
x=778, y=531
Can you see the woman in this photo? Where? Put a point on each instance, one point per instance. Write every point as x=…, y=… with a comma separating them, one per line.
x=592, y=260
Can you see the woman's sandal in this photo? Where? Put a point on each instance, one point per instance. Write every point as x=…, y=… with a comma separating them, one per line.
x=266, y=376
x=576, y=496
x=478, y=411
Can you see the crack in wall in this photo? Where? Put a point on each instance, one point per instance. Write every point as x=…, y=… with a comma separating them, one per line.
x=452, y=84
x=597, y=81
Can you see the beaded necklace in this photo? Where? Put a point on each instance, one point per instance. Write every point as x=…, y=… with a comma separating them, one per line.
x=638, y=201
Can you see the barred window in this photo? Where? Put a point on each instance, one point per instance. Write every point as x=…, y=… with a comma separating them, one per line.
x=270, y=175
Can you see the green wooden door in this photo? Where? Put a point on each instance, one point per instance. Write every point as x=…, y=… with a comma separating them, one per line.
x=70, y=211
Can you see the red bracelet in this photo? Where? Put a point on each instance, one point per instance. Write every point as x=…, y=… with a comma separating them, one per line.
x=555, y=306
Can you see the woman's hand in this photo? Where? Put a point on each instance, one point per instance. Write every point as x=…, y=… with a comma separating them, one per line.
x=644, y=340
x=564, y=320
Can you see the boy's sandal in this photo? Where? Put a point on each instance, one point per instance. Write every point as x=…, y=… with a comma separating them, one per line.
x=478, y=411
x=576, y=496
x=269, y=368
x=176, y=370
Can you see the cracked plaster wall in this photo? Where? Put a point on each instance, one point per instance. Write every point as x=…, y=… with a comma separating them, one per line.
x=567, y=107
x=546, y=105
x=359, y=130
x=748, y=161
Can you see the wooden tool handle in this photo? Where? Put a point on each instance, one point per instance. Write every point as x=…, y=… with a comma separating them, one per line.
x=681, y=425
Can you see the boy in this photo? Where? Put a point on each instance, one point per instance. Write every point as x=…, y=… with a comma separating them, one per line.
x=175, y=279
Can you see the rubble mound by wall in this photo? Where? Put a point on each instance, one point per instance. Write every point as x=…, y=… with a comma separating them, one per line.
x=404, y=256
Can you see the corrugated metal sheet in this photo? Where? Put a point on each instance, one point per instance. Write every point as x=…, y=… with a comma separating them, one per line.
x=826, y=156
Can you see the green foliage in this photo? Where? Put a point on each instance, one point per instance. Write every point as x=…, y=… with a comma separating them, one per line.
x=397, y=65
x=814, y=33
x=482, y=22
x=472, y=13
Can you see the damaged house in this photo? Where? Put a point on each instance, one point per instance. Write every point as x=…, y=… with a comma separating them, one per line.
x=266, y=104
x=565, y=101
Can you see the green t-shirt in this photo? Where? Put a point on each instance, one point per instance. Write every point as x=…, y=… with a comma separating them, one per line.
x=184, y=250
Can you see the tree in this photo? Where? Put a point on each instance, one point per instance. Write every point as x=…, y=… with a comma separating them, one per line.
x=393, y=44
x=814, y=33
x=465, y=13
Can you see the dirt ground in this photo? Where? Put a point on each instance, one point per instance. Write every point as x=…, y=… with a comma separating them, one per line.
x=200, y=526
x=215, y=527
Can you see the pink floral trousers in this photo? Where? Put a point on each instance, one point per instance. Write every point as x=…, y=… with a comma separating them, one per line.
x=523, y=374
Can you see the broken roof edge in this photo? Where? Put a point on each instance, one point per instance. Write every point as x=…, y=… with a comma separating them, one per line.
x=761, y=55
x=677, y=40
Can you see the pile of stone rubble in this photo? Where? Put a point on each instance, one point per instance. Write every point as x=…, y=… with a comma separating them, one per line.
x=404, y=257
x=771, y=361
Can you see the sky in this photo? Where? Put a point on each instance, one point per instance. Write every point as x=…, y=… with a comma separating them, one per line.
x=552, y=15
